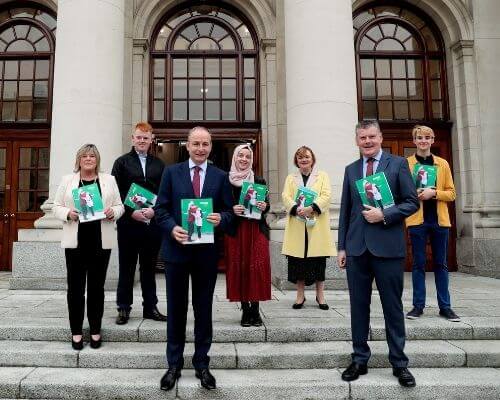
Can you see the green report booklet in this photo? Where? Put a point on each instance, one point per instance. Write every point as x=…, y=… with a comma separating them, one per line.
x=251, y=193
x=138, y=197
x=88, y=202
x=304, y=198
x=194, y=220
x=424, y=176
x=375, y=191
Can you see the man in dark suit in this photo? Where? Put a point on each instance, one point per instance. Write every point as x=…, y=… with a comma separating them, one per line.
x=187, y=180
x=371, y=245
x=138, y=233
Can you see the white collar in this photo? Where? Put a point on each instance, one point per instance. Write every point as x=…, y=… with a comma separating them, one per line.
x=203, y=166
x=376, y=157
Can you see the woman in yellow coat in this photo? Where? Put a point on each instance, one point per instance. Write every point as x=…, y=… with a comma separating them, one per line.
x=307, y=244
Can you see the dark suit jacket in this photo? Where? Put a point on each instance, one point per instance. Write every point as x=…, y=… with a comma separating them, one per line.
x=127, y=169
x=356, y=235
x=175, y=186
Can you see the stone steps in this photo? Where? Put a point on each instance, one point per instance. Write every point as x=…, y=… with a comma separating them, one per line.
x=82, y=383
x=227, y=330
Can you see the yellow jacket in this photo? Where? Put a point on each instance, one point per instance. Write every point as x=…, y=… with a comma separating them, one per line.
x=445, y=192
x=320, y=236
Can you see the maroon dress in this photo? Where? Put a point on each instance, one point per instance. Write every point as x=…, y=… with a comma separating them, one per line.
x=248, y=269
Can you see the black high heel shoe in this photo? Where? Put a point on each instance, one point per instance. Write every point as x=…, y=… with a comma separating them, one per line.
x=77, y=345
x=323, y=306
x=95, y=344
x=298, y=306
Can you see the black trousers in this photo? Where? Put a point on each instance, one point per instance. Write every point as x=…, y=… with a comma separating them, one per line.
x=137, y=240
x=203, y=272
x=388, y=275
x=89, y=267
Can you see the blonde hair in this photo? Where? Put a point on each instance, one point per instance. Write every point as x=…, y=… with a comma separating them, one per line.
x=88, y=148
x=422, y=129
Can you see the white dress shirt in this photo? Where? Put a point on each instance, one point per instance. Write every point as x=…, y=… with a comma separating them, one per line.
x=375, y=163
x=203, y=172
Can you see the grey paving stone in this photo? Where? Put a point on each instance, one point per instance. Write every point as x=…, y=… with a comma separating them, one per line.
x=308, y=329
x=37, y=353
x=484, y=327
x=121, y=333
x=150, y=356
x=432, y=383
x=10, y=379
x=91, y=384
x=267, y=384
x=22, y=328
x=480, y=353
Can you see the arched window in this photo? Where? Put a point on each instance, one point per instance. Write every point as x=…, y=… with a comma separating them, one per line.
x=26, y=60
x=400, y=65
x=204, y=67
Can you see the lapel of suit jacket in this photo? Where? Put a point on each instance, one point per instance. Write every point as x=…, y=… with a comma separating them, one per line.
x=137, y=162
x=358, y=169
x=186, y=177
x=207, y=183
x=384, y=162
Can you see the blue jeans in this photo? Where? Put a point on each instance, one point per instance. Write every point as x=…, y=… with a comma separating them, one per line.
x=439, y=243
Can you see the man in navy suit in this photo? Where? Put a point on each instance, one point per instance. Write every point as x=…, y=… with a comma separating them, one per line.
x=187, y=180
x=371, y=245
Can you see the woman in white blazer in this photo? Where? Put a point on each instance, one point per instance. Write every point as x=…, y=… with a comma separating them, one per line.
x=87, y=245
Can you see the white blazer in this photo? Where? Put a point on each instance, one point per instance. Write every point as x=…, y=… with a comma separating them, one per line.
x=64, y=201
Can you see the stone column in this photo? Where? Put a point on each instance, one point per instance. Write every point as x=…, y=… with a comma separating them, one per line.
x=87, y=108
x=321, y=102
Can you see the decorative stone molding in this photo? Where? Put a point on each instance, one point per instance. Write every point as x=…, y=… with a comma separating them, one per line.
x=463, y=48
x=140, y=45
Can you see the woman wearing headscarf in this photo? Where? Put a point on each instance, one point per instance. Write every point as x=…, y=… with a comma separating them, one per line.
x=248, y=273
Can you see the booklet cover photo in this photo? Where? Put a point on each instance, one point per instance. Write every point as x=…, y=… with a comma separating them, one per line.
x=194, y=220
x=88, y=202
x=304, y=198
x=251, y=193
x=138, y=197
x=375, y=191
x=424, y=176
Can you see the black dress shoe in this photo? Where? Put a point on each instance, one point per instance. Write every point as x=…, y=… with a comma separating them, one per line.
x=77, y=345
x=322, y=306
x=168, y=380
x=206, y=378
x=95, y=344
x=122, y=317
x=405, y=377
x=154, y=314
x=353, y=372
x=298, y=306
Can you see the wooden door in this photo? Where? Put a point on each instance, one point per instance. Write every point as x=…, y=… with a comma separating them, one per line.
x=24, y=186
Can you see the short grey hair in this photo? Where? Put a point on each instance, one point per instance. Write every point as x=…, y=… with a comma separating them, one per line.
x=367, y=124
x=85, y=149
x=198, y=128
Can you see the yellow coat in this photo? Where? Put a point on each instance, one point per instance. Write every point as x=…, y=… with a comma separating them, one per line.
x=320, y=237
x=445, y=192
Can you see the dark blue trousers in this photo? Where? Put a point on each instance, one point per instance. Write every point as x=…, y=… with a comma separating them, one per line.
x=203, y=272
x=388, y=275
x=439, y=244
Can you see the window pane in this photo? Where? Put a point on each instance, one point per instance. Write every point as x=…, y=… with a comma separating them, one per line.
x=180, y=67
x=366, y=44
x=367, y=68
x=398, y=69
x=43, y=180
x=159, y=110
x=159, y=68
x=227, y=43
x=27, y=157
x=40, y=110
x=399, y=89
x=228, y=68
x=436, y=89
x=412, y=44
x=9, y=111
x=3, y=159
x=249, y=67
x=228, y=110
x=212, y=68
x=414, y=69
x=26, y=69
x=402, y=34
x=195, y=68
x=20, y=45
x=232, y=20
x=249, y=88
x=387, y=11
x=218, y=32
x=246, y=38
x=204, y=28
x=27, y=179
x=417, y=109
x=159, y=89
x=179, y=110
x=42, y=69
x=42, y=45
x=212, y=110
x=204, y=44
x=375, y=33
x=434, y=69
x=389, y=45
x=181, y=44
x=9, y=90
x=24, y=110
x=383, y=69
x=437, y=109
x=368, y=89
x=388, y=29
x=179, y=88
x=41, y=197
x=409, y=16
x=229, y=88
x=189, y=33
x=195, y=89
x=25, y=201
x=369, y=109
x=362, y=18
x=7, y=35
x=384, y=89
x=415, y=90
x=43, y=157
x=10, y=70
x=195, y=110
x=34, y=35
x=400, y=110
x=429, y=39
x=25, y=90
x=41, y=89
x=385, y=109
x=2, y=180
x=212, y=89
x=250, y=110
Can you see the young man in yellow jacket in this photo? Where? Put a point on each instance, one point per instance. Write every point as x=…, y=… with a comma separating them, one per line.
x=431, y=220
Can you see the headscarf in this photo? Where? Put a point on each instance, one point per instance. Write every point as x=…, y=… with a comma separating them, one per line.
x=238, y=175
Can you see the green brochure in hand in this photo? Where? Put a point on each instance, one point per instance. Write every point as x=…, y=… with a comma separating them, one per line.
x=424, y=176
x=375, y=191
x=251, y=193
x=194, y=220
x=88, y=202
x=138, y=197
x=304, y=198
